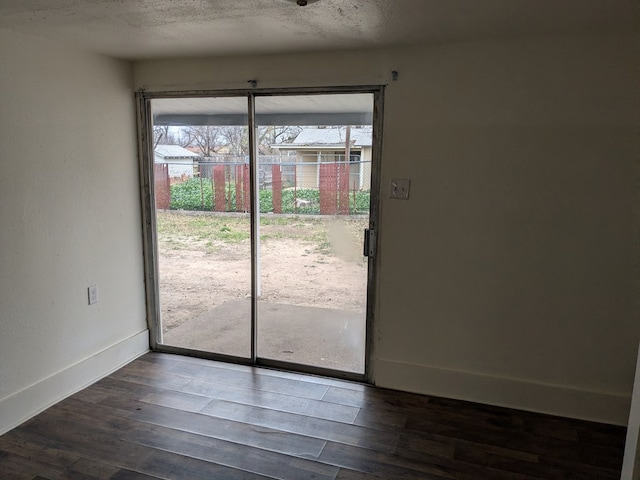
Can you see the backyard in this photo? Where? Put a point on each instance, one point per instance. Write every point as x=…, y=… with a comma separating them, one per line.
x=305, y=260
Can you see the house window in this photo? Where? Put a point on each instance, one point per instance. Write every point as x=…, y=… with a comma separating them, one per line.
x=355, y=170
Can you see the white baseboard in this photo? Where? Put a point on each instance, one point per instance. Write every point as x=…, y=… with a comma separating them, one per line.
x=505, y=392
x=32, y=400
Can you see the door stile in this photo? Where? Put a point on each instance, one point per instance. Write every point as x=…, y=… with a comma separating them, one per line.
x=374, y=212
x=147, y=192
x=255, y=224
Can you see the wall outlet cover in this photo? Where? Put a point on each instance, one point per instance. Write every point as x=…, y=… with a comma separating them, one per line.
x=399, y=188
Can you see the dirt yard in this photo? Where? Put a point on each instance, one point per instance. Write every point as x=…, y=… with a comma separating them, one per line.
x=204, y=261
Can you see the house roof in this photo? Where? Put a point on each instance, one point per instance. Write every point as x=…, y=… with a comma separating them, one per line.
x=173, y=151
x=330, y=137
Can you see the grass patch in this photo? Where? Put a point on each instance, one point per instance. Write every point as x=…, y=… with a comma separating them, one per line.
x=182, y=232
x=210, y=231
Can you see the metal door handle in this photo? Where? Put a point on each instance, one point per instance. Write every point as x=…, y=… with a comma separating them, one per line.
x=369, y=242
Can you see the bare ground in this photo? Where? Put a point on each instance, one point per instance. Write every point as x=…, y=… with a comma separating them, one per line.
x=330, y=272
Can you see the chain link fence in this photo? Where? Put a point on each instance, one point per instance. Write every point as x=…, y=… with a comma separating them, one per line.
x=321, y=184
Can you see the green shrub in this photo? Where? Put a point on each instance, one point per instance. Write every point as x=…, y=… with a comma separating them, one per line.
x=195, y=194
x=266, y=201
x=360, y=204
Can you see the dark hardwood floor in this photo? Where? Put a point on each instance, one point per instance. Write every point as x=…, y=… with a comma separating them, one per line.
x=173, y=417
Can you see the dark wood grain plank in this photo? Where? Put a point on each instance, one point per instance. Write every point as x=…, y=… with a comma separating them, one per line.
x=102, y=436
x=581, y=470
x=375, y=398
x=495, y=435
x=304, y=425
x=213, y=373
x=44, y=454
x=346, y=474
x=165, y=359
x=425, y=466
x=465, y=416
x=87, y=438
x=24, y=467
x=236, y=455
x=503, y=459
x=279, y=401
x=130, y=475
x=90, y=469
x=251, y=459
x=386, y=465
x=416, y=444
x=381, y=418
x=140, y=372
x=178, y=467
x=237, y=432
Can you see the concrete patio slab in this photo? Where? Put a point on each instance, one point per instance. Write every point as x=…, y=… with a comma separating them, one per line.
x=321, y=337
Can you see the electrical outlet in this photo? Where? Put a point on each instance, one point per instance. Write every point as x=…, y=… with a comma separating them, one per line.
x=93, y=294
x=399, y=188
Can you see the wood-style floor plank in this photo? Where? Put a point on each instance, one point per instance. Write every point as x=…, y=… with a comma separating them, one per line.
x=173, y=417
x=236, y=378
x=349, y=434
x=267, y=399
x=247, y=435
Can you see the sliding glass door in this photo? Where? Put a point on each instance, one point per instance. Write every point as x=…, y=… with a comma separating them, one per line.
x=203, y=227
x=314, y=208
x=257, y=207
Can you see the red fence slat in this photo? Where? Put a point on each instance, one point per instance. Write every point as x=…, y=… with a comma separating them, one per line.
x=246, y=187
x=276, y=188
x=328, y=188
x=162, y=186
x=239, y=188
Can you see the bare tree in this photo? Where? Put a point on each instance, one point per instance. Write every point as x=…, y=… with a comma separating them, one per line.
x=165, y=135
x=273, y=135
x=160, y=135
x=209, y=138
x=206, y=138
x=185, y=137
x=237, y=139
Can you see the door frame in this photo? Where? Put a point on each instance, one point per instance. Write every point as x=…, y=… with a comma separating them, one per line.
x=150, y=246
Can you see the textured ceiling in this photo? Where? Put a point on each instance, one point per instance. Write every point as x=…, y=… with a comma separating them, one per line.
x=144, y=29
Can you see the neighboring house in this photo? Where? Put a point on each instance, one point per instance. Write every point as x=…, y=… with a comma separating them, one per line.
x=180, y=160
x=314, y=146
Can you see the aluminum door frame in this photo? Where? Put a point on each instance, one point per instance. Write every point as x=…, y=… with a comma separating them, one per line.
x=150, y=246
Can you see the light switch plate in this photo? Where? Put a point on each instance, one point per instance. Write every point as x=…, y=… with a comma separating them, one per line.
x=93, y=294
x=399, y=188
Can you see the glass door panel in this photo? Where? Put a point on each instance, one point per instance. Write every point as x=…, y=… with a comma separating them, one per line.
x=203, y=228
x=314, y=181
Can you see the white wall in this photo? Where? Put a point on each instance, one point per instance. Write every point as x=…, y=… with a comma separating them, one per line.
x=523, y=289
x=69, y=218
x=510, y=276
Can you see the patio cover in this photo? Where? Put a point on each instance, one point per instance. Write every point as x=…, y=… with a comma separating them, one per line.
x=313, y=109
